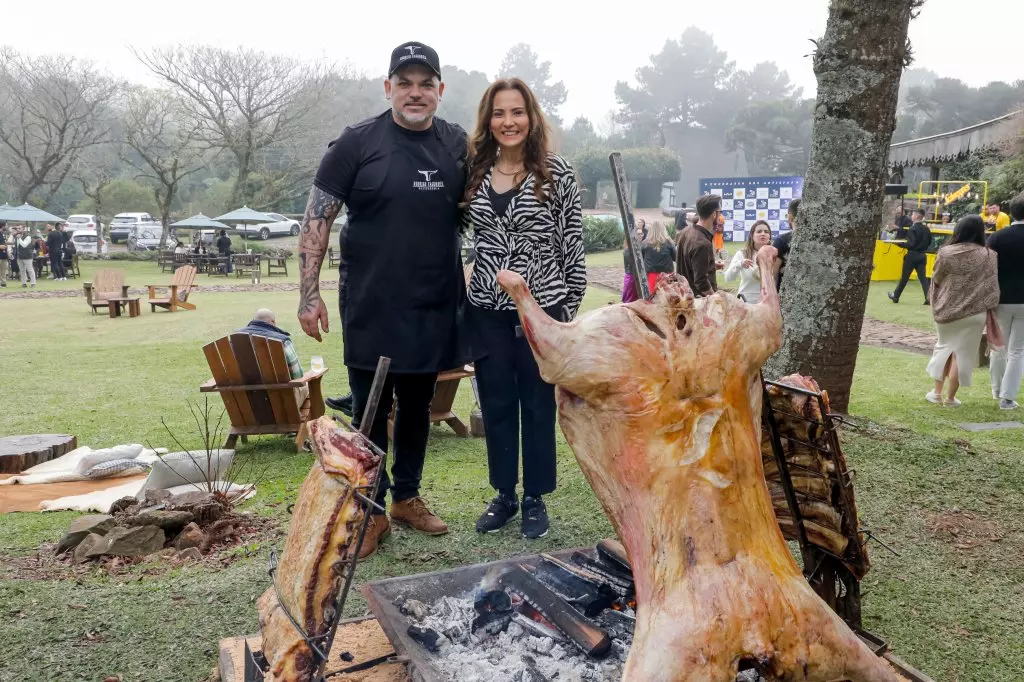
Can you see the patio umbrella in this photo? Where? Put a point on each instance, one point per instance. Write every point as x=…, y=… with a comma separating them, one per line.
x=200, y=222
x=27, y=213
x=245, y=215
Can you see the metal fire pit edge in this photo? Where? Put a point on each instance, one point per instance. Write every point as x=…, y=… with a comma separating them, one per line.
x=461, y=581
x=428, y=587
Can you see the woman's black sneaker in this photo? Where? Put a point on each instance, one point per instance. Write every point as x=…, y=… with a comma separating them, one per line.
x=499, y=511
x=535, y=518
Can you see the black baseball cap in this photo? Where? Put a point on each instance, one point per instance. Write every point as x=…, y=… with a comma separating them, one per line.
x=414, y=53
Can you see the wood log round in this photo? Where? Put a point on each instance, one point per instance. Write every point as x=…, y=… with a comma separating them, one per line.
x=18, y=453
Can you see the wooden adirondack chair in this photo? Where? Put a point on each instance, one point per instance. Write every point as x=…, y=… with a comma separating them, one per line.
x=107, y=284
x=251, y=375
x=441, y=404
x=180, y=286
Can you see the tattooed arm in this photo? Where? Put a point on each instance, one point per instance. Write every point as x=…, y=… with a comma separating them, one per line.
x=314, y=236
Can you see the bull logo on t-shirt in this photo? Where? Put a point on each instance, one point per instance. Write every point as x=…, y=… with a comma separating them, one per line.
x=428, y=183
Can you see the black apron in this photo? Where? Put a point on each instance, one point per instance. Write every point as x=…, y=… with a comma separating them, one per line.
x=401, y=281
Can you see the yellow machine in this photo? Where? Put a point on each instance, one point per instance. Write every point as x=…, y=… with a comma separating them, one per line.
x=888, y=258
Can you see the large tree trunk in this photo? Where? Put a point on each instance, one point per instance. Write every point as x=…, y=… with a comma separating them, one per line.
x=241, y=180
x=858, y=66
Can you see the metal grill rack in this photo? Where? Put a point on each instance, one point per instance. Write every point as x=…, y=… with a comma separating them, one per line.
x=836, y=579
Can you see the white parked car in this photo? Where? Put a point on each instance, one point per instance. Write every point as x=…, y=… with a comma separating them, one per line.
x=123, y=223
x=144, y=238
x=83, y=221
x=280, y=227
x=88, y=241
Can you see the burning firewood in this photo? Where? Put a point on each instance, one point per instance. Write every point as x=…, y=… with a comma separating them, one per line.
x=325, y=521
x=660, y=400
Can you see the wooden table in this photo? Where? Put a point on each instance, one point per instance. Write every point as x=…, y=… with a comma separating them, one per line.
x=18, y=453
x=116, y=304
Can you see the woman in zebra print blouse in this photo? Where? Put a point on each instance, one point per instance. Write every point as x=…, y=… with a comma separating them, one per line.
x=522, y=204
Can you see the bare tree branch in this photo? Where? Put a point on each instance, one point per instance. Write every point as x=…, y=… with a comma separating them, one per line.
x=52, y=109
x=166, y=145
x=241, y=101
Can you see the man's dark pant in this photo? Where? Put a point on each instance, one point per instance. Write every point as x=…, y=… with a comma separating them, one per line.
x=57, y=265
x=509, y=384
x=412, y=426
x=913, y=261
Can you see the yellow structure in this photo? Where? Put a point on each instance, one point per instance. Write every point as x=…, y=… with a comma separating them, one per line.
x=887, y=264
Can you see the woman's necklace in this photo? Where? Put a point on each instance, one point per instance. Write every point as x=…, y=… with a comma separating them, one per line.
x=511, y=174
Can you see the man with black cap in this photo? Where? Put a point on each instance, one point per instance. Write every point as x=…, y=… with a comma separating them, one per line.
x=401, y=175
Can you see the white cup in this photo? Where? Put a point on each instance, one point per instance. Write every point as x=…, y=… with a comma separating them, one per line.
x=316, y=363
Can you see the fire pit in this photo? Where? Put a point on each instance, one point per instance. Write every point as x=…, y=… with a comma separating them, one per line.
x=564, y=616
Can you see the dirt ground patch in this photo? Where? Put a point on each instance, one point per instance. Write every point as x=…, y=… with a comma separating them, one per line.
x=965, y=531
x=248, y=532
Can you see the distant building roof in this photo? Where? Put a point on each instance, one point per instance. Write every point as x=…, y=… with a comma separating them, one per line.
x=926, y=151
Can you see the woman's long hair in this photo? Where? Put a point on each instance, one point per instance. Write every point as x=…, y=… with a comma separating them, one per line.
x=657, y=235
x=970, y=229
x=484, y=149
x=749, y=251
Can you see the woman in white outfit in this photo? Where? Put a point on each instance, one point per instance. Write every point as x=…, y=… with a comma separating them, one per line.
x=964, y=287
x=744, y=263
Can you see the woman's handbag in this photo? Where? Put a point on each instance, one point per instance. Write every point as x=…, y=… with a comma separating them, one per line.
x=993, y=334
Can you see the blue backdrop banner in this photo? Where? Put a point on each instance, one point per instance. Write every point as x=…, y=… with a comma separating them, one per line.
x=747, y=200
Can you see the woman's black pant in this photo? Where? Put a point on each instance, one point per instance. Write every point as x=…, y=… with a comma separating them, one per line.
x=513, y=396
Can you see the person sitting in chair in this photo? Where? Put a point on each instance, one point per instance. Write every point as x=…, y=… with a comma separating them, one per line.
x=264, y=323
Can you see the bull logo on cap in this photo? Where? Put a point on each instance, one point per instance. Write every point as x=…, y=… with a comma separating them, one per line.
x=412, y=49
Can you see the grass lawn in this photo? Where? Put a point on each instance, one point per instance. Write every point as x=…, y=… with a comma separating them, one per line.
x=111, y=381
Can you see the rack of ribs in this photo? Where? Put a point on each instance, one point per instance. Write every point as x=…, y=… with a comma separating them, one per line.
x=817, y=468
x=324, y=522
x=660, y=401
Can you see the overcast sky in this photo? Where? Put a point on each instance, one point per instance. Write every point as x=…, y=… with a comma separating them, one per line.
x=589, y=50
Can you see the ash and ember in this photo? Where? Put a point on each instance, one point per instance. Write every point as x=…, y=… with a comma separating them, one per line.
x=493, y=634
x=511, y=647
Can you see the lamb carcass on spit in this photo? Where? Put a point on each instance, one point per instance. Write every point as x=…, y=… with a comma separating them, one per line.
x=660, y=400
x=324, y=524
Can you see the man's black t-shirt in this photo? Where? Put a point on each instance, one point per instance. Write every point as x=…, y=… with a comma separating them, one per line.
x=401, y=280
x=782, y=244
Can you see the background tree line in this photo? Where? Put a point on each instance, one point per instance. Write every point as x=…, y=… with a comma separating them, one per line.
x=233, y=127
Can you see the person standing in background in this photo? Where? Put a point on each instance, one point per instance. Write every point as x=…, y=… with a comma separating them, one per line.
x=966, y=287
x=25, y=250
x=994, y=218
x=744, y=264
x=1007, y=364
x=659, y=254
x=695, y=251
x=919, y=240
x=3, y=255
x=55, y=244
x=783, y=241
x=901, y=223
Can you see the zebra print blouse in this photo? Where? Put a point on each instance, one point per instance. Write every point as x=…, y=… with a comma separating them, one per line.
x=543, y=242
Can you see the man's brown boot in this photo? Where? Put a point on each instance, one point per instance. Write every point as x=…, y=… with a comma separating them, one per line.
x=414, y=512
x=378, y=529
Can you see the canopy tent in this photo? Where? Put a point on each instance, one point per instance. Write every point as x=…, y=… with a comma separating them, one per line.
x=26, y=213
